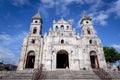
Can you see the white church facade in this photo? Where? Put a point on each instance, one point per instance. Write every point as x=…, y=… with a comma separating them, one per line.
x=61, y=47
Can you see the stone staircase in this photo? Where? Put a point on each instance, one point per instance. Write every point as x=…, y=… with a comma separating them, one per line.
x=69, y=75
x=102, y=74
x=16, y=75
x=115, y=75
x=55, y=75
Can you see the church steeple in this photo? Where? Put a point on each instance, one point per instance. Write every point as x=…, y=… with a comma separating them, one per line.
x=36, y=25
x=37, y=16
x=85, y=17
x=87, y=27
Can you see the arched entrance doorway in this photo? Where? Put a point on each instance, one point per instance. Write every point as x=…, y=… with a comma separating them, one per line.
x=94, y=59
x=30, y=60
x=62, y=59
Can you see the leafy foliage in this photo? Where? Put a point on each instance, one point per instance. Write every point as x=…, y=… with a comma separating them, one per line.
x=1, y=66
x=111, y=55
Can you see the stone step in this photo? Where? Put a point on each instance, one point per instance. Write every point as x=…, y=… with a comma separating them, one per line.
x=69, y=79
x=59, y=74
x=16, y=75
x=55, y=75
x=115, y=74
x=67, y=74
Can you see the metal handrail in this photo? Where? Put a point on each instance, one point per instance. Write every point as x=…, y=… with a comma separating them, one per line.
x=103, y=74
x=37, y=73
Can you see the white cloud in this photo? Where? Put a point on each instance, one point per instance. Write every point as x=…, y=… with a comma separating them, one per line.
x=10, y=46
x=5, y=37
x=7, y=56
x=48, y=3
x=61, y=6
x=99, y=17
x=115, y=8
x=95, y=4
x=71, y=20
x=19, y=25
x=102, y=16
x=116, y=46
x=20, y=2
x=43, y=11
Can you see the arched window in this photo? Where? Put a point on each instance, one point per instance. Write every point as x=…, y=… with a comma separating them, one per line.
x=67, y=27
x=35, y=30
x=62, y=27
x=33, y=41
x=90, y=41
x=88, y=31
x=62, y=41
x=56, y=27
x=30, y=60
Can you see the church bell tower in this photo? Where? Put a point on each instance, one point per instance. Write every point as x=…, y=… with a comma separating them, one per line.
x=87, y=27
x=31, y=53
x=92, y=45
x=36, y=25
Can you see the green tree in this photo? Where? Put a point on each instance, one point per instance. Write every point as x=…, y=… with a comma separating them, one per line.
x=111, y=55
x=1, y=66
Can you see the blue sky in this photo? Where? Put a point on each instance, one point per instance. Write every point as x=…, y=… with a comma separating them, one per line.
x=15, y=19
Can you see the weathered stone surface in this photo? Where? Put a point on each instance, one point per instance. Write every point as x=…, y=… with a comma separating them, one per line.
x=62, y=39
x=56, y=75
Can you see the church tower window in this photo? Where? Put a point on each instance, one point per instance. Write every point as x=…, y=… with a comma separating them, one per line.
x=87, y=22
x=62, y=41
x=67, y=27
x=36, y=21
x=35, y=30
x=88, y=31
x=90, y=41
x=62, y=27
x=56, y=27
x=33, y=41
